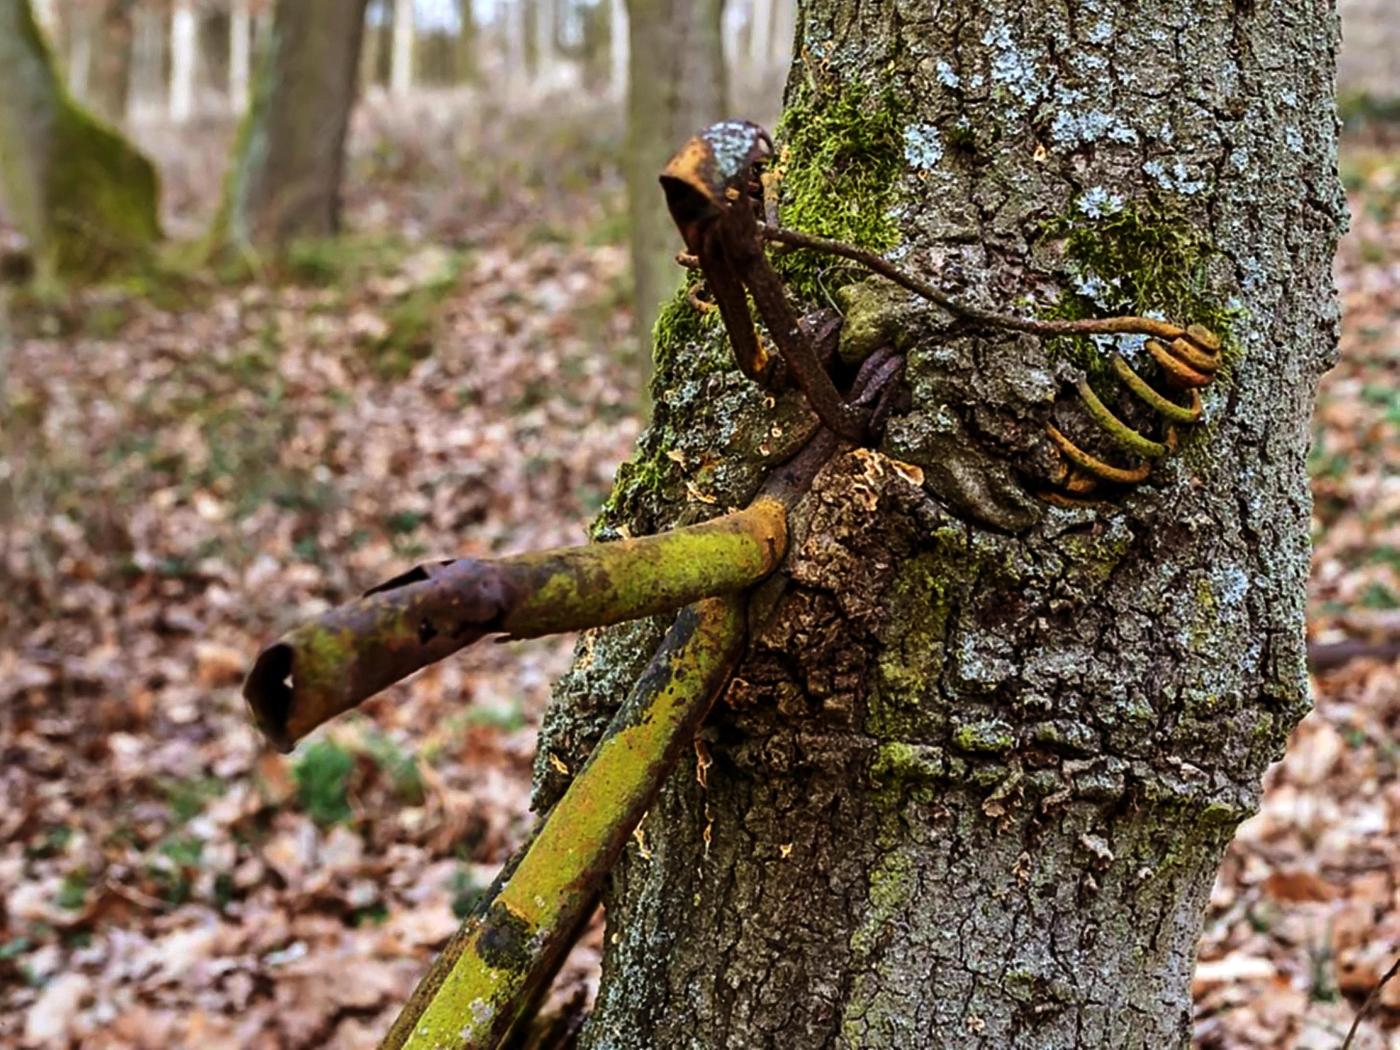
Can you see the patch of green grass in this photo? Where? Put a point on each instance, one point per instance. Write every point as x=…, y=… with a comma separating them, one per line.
x=187, y=796
x=507, y=718
x=173, y=872
x=1387, y=555
x=412, y=324
x=53, y=842
x=1359, y=109
x=466, y=892
x=398, y=765
x=1378, y=596
x=404, y=521
x=1322, y=988
x=1325, y=464
x=340, y=262
x=184, y=851
x=14, y=948
x=72, y=891
x=370, y=915
x=322, y=775
x=611, y=227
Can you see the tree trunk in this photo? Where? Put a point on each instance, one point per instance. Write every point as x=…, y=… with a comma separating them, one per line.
x=110, y=76
x=84, y=197
x=676, y=85
x=184, y=54
x=467, y=66
x=80, y=32
x=285, y=175
x=148, y=61
x=240, y=55
x=401, y=61
x=617, y=49
x=973, y=782
x=761, y=16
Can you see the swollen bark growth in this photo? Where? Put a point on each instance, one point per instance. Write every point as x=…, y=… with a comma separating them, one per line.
x=285, y=175
x=971, y=785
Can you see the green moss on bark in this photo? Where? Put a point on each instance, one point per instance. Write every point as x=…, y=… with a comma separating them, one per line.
x=1137, y=261
x=841, y=159
x=84, y=196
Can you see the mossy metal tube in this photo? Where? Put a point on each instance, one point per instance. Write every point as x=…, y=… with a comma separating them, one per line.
x=332, y=663
x=508, y=952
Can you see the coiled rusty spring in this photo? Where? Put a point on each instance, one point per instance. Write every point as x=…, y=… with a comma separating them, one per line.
x=1185, y=364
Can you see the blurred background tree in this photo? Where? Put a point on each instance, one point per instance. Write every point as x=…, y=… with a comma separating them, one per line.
x=284, y=179
x=84, y=197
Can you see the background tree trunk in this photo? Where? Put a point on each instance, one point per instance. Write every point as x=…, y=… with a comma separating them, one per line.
x=148, y=90
x=676, y=86
x=401, y=62
x=284, y=181
x=81, y=26
x=617, y=49
x=184, y=58
x=83, y=196
x=110, y=78
x=240, y=55
x=973, y=782
x=467, y=64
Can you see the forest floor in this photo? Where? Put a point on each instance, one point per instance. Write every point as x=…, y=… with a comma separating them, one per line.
x=191, y=464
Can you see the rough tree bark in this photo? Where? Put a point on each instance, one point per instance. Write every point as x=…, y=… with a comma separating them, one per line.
x=676, y=85
x=972, y=784
x=285, y=174
x=83, y=196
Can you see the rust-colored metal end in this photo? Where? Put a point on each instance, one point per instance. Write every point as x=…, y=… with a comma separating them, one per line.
x=699, y=179
x=1079, y=483
x=328, y=665
x=697, y=300
x=1064, y=499
x=268, y=691
x=1204, y=338
x=1092, y=464
x=1205, y=361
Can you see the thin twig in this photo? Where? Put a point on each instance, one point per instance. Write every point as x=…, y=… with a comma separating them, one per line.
x=1371, y=1001
x=873, y=262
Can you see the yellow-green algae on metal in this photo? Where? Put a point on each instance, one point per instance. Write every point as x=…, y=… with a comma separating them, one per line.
x=511, y=949
x=605, y=583
x=328, y=665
